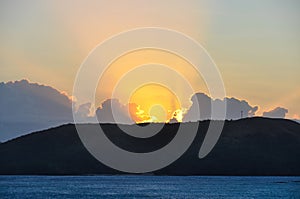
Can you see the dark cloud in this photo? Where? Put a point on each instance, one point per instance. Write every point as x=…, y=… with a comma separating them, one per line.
x=105, y=113
x=278, y=112
x=85, y=114
x=27, y=107
x=235, y=108
x=22, y=101
x=84, y=110
x=239, y=108
x=202, y=104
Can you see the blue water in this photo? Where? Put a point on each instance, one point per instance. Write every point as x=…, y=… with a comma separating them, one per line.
x=148, y=187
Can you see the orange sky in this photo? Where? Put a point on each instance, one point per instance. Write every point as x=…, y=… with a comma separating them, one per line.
x=255, y=44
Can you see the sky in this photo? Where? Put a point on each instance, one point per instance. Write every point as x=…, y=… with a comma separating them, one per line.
x=255, y=44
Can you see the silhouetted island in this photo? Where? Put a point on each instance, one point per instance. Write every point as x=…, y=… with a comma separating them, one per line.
x=252, y=146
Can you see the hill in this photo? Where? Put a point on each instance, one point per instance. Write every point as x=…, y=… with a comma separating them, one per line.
x=252, y=146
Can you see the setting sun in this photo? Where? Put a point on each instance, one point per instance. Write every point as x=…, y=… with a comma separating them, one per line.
x=148, y=99
x=154, y=103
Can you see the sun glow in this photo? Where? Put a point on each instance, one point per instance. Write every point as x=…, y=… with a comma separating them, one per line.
x=154, y=103
x=155, y=84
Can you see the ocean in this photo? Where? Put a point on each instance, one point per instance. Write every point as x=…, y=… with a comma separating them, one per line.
x=148, y=187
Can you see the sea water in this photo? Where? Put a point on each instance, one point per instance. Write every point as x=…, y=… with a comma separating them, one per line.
x=148, y=187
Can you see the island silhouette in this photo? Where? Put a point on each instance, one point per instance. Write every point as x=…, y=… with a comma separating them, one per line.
x=250, y=146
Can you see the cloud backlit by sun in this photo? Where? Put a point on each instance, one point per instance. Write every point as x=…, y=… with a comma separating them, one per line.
x=179, y=114
x=154, y=103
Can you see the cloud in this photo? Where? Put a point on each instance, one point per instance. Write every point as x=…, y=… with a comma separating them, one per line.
x=202, y=104
x=22, y=101
x=85, y=114
x=84, y=110
x=112, y=111
x=239, y=108
x=27, y=107
x=278, y=112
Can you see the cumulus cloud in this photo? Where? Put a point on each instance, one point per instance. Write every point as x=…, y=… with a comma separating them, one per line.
x=84, y=110
x=22, y=101
x=202, y=104
x=278, y=112
x=112, y=111
x=27, y=107
x=85, y=113
x=239, y=108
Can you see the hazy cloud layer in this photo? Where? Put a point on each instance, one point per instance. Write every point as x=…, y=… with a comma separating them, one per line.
x=236, y=109
x=278, y=112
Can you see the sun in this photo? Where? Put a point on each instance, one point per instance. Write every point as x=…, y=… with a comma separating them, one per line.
x=154, y=103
